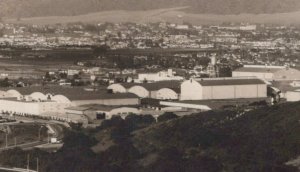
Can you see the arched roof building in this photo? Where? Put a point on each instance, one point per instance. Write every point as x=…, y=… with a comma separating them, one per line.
x=158, y=90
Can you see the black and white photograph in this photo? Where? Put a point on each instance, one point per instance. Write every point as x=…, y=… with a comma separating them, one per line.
x=149, y=85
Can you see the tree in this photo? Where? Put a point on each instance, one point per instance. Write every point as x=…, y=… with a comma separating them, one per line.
x=167, y=116
x=47, y=76
x=5, y=83
x=135, y=122
x=63, y=75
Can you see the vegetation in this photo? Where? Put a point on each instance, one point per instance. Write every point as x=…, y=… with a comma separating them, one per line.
x=5, y=83
x=260, y=140
x=167, y=116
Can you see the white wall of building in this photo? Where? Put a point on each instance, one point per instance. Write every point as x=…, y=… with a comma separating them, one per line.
x=3, y=94
x=191, y=90
x=13, y=93
x=139, y=91
x=117, y=88
x=218, y=92
x=32, y=108
x=166, y=94
x=234, y=92
x=19, y=107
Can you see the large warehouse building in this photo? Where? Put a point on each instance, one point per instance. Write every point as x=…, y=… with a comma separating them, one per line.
x=223, y=88
x=53, y=101
x=269, y=73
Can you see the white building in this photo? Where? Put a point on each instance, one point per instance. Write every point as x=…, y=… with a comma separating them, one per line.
x=223, y=88
x=182, y=27
x=248, y=28
x=269, y=73
x=160, y=76
x=53, y=101
x=163, y=90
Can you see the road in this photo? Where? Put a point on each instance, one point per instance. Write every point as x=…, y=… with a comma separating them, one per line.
x=15, y=169
x=56, y=127
x=25, y=145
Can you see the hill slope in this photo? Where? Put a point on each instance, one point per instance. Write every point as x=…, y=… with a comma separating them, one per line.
x=261, y=140
x=35, y=8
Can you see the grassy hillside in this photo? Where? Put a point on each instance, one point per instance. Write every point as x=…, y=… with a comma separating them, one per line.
x=35, y=8
x=261, y=140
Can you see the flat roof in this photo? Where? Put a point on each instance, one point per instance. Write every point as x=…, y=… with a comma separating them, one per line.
x=72, y=93
x=258, y=69
x=228, y=81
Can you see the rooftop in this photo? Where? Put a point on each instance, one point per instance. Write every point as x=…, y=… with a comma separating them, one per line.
x=72, y=93
x=174, y=85
x=230, y=81
x=260, y=69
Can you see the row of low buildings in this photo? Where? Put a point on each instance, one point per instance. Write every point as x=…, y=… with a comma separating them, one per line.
x=82, y=105
x=78, y=104
x=59, y=102
x=196, y=89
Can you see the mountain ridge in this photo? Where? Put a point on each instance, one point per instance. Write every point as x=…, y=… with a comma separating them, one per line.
x=41, y=8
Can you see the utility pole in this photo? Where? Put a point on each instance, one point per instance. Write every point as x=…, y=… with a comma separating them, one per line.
x=27, y=162
x=15, y=141
x=40, y=129
x=6, y=144
x=37, y=164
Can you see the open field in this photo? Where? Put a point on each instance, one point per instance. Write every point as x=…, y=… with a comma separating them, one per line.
x=174, y=15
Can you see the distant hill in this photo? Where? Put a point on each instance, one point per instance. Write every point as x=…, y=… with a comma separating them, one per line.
x=37, y=8
x=172, y=15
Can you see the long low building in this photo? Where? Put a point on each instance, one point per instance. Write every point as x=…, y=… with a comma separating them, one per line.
x=53, y=101
x=223, y=88
x=99, y=112
x=269, y=73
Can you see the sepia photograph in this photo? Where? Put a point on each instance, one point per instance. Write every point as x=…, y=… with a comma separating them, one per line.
x=149, y=85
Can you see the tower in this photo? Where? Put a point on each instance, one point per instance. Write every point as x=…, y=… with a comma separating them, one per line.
x=211, y=68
